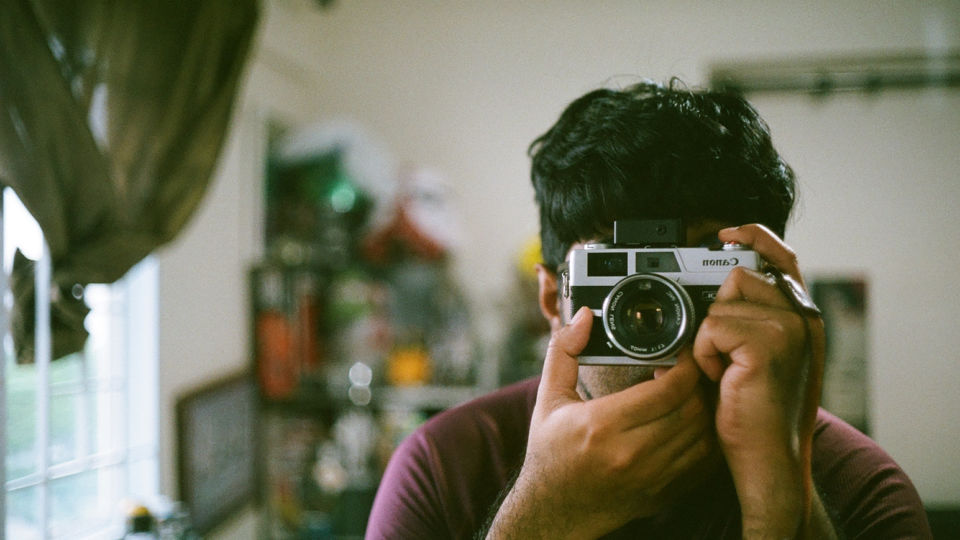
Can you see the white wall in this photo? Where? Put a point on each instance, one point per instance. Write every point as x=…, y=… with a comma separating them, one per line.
x=465, y=86
x=879, y=198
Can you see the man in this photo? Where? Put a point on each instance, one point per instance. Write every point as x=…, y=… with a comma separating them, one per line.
x=727, y=443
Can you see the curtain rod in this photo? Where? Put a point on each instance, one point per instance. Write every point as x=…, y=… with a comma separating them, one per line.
x=822, y=76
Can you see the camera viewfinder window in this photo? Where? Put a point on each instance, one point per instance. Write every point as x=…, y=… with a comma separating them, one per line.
x=657, y=261
x=607, y=264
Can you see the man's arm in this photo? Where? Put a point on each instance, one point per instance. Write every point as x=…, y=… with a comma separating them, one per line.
x=767, y=356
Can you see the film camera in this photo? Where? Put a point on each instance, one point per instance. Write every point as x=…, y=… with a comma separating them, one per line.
x=647, y=294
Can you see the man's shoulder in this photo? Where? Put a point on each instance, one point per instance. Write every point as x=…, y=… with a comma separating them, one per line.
x=502, y=413
x=833, y=435
x=443, y=478
x=841, y=449
x=862, y=485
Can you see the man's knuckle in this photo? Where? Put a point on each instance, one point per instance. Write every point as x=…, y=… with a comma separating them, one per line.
x=596, y=427
x=712, y=322
x=620, y=462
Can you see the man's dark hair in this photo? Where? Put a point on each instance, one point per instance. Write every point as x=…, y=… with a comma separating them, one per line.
x=651, y=151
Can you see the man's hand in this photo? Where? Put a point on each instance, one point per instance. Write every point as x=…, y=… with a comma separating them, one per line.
x=592, y=466
x=768, y=360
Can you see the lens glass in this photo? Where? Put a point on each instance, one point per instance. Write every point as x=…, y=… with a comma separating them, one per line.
x=643, y=317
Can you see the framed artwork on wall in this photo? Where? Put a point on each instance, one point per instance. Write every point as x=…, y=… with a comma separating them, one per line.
x=217, y=449
x=843, y=301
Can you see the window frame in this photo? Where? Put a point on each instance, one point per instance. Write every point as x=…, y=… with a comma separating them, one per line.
x=114, y=418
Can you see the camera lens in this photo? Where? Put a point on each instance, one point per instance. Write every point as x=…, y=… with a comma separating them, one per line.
x=647, y=316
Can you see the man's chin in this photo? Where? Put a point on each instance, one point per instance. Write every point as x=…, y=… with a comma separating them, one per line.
x=604, y=380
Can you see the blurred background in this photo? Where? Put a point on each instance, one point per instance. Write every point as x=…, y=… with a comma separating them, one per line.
x=375, y=160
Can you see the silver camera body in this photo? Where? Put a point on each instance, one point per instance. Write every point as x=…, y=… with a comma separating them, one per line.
x=648, y=296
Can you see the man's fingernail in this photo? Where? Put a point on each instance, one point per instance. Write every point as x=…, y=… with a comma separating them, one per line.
x=579, y=315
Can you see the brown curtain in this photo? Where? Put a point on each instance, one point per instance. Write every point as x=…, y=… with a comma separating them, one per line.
x=112, y=116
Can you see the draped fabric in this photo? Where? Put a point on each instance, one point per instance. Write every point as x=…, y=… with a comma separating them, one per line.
x=112, y=116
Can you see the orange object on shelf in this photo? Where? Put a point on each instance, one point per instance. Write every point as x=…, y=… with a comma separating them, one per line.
x=409, y=365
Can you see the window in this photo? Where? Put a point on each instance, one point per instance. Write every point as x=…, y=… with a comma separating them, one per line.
x=80, y=437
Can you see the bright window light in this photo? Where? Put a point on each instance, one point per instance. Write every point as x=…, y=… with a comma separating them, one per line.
x=80, y=438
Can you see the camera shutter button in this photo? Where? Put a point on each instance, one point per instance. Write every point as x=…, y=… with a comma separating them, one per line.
x=731, y=246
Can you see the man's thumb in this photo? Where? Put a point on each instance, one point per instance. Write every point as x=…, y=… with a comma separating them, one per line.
x=560, y=365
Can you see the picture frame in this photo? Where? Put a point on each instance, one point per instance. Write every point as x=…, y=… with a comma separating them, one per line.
x=843, y=300
x=217, y=449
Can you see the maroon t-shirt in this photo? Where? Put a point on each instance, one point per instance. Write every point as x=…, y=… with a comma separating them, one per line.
x=444, y=478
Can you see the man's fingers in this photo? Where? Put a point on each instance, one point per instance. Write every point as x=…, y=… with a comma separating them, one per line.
x=751, y=286
x=560, y=366
x=649, y=400
x=767, y=244
x=736, y=339
x=711, y=365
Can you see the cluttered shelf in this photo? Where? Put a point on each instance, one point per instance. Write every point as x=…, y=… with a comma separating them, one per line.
x=359, y=329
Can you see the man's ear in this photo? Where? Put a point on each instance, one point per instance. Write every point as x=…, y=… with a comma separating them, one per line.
x=548, y=297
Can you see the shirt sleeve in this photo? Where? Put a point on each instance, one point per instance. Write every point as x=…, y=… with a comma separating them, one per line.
x=868, y=494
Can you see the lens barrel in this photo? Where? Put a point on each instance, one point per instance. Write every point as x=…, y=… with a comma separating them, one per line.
x=648, y=316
